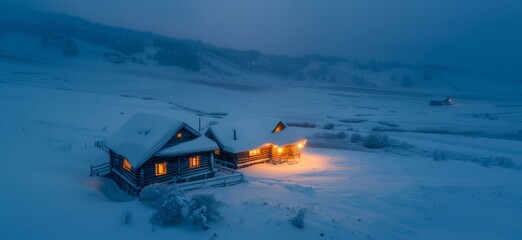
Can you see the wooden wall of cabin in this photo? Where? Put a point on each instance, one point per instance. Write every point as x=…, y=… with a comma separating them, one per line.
x=244, y=157
x=227, y=157
x=176, y=167
x=288, y=152
x=117, y=165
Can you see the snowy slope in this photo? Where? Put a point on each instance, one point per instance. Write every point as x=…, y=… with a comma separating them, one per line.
x=54, y=108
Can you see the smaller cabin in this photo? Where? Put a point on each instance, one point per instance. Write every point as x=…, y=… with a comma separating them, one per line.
x=151, y=149
x=245, y=143
x=440, y=101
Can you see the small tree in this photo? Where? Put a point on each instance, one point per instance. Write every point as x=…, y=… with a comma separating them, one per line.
x=126, y=217
x=356, y=138
x=298, y=220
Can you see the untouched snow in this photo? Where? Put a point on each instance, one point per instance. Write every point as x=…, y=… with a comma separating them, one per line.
x=53, y=109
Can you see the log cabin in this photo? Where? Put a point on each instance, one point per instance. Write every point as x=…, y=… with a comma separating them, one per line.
x=150, y=149
x=245, y=143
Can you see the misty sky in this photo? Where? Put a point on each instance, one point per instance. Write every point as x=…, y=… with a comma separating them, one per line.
x=479, y=34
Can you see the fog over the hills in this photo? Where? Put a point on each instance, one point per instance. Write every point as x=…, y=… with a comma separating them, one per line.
x=482, y=35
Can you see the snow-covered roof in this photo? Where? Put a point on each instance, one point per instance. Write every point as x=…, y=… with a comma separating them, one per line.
x=199, y=144
x=251, y=134
x=145, y=134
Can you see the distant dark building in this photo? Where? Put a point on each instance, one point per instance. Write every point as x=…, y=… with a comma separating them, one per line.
x=439, y=101
x=149, y=149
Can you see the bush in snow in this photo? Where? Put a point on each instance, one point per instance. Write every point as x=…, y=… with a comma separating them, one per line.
x=171, y=209
x=200, y=217
x=376, y=140
x=126, y=217
x=298, y=220
x=209, y=201
x=329, y=126
x=499, y=161
x=173, y=206
x=356, y=138
x=152, y=194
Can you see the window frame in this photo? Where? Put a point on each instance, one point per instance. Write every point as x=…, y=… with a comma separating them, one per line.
x=254, y=152
x=157, y=168
x=194, y=162
x=126, y=164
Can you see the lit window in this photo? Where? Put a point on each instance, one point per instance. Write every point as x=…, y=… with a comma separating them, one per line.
x=161, y=168
x=216, y=152
x=126, y=164
x=194, y=162
x=179, y=135
x=279, y=127
x=254, y=152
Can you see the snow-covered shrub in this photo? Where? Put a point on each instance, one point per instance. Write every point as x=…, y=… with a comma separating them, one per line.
x=439, y=155
x=200, y=217
x=173, y=208
x=126, y=217
x=298, y=220
x=376, y=140
x=356, y=138
x=504, y=162
x=329, y=126
x=152, y=194
x=210, y=202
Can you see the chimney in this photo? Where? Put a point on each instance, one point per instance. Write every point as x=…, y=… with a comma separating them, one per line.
x=235, y=138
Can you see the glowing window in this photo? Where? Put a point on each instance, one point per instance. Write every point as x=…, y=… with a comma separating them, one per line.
x=279, y=127
x=217, y=152
x=254, y=152
x=161, y=168
x=194, y=162
x=179, y=135
x=126, y=164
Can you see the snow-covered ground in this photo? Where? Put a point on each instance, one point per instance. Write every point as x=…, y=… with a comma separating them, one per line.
x=54, y=108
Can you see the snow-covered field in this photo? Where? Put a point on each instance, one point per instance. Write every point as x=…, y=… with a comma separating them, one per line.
x=53, y=109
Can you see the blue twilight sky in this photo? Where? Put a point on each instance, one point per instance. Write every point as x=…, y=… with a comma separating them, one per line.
x=484, y=35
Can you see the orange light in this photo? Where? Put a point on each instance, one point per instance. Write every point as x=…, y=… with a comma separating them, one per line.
x=279, y=150
x=127, y=165
x=300, y=145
